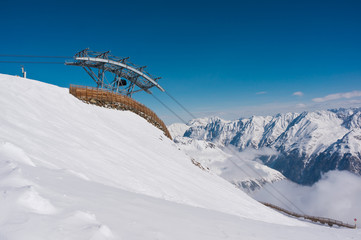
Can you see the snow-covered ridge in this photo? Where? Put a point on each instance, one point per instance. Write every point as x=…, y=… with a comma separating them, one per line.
x=70, y=170
x=303, y=140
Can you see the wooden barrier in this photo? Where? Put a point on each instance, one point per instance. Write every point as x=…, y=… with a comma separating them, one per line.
x=322, y=220
x=105, y=98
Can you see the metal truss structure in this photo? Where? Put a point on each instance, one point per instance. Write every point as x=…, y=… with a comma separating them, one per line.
x=126, y=79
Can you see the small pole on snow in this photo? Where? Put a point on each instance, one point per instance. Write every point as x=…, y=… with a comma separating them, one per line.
x=23, y=71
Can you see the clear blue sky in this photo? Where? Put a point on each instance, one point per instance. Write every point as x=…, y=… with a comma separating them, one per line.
x=226, y=58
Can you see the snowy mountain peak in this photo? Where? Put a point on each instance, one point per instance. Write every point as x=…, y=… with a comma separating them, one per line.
x=300, y=139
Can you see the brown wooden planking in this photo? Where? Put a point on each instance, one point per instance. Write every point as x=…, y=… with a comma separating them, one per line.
x=322, y=220
x=102, y=96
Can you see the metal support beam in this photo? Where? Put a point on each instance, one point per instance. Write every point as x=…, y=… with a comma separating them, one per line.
x=121, y=68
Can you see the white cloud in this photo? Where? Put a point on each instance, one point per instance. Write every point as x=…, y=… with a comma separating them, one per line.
x=300, y=94
x=267, y=109
x=355, y=101
x=260, y=93
x=337, y=195
x=336, y=96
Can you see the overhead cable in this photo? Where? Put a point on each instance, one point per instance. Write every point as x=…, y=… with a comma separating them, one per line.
x=32, y=56
x=182, y=120
x=237, y=156
x=175, y=100
x=31, y=62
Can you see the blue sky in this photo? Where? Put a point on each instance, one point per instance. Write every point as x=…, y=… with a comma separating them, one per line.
x=228, y=58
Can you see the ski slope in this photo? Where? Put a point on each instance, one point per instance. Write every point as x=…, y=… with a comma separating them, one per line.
x=69, y=170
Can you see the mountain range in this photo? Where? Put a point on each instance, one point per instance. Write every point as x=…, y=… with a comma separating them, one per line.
x=302, y=146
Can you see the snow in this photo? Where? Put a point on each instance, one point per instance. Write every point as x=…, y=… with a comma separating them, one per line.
x=69, y=170
x=313, y=133
x=239, y=168
x=349, y=144
x=310, y=133
x=177, y=129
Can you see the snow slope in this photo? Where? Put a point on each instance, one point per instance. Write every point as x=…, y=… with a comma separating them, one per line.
x=244, y=170
x=69, y=170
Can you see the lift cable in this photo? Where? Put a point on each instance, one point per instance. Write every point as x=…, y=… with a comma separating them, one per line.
x=175, y=114
x=267, y=190
x=31, y=62
x=185, y=109
x=32, y=56
x=236, y=155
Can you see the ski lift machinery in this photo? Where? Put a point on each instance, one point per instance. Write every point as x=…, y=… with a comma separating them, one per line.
x=126, y=77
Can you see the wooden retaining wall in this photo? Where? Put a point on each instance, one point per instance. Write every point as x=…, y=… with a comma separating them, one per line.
x=322, y=220
x=110, y=99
